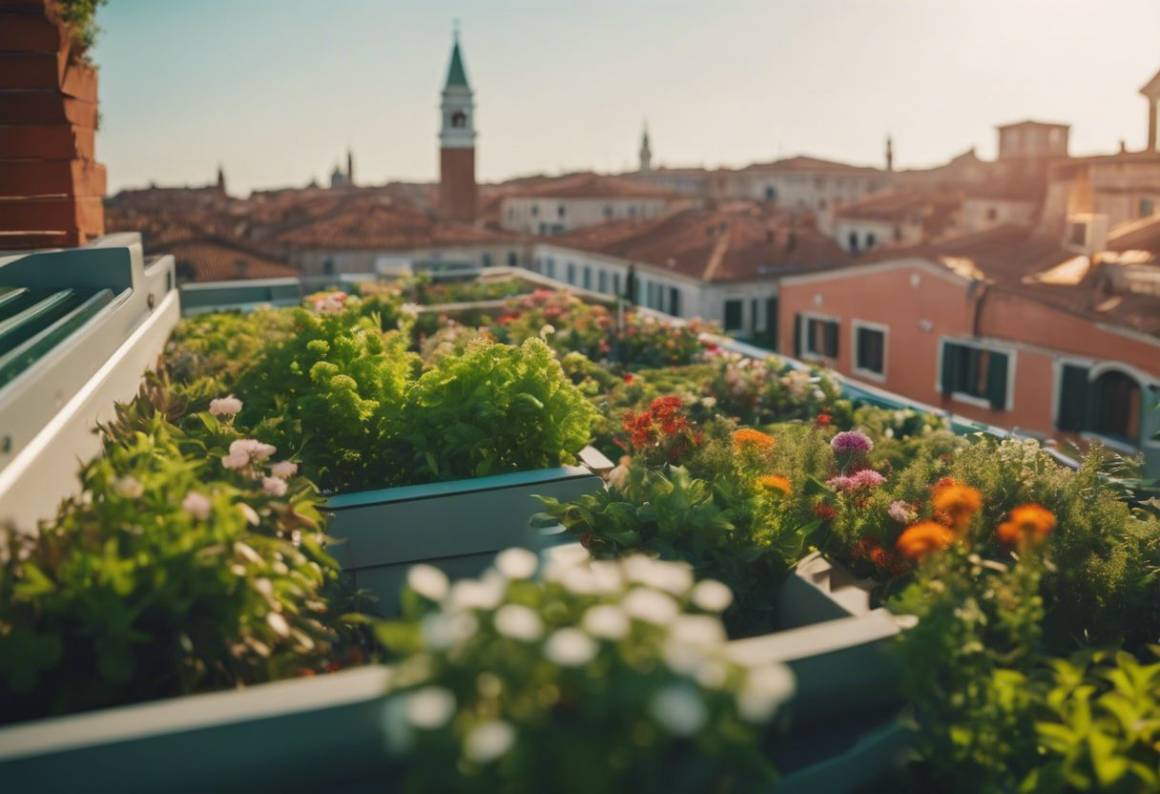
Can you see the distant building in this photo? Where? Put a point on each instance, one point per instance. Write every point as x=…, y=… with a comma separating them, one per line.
x=645, y=151
x=457, y=189
x=340, y=178
x=891, y=218
x=1151, y=93
x=562, y=205
x=804, y=184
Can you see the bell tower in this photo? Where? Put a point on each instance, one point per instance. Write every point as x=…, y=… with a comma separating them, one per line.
x=457, y=191
x=645, y=151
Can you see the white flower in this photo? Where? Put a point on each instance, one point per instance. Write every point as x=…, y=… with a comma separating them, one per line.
x=682, y=658
x=679, y=710
x=518, y=623
x=709, y=402
x=235, y=460
x=617, y=477
x=409, y=309
x=275, y=486
x=701, y=631
x=650, y=606
x=596, y=578
x=278, y=624
x=570, y=648
x=430, y=707
x=428, y=581
x=672, y=577
x=547, y=330
x=712, y=674
x=197, y=505
x=711, y=596
x=606, y=621
x=128, y=487
x=476, y=594
x=284, y=469
x=517, y=563
x=766, y=688
x=819, y=394
x=442, y=630
x=225, y=406
x=488, y=741
x=250, y=514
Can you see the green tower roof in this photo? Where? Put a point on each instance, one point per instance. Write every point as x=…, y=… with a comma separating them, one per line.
x=456, y=74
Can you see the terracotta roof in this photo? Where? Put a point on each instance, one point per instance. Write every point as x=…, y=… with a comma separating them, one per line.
x=1004, y=254
x=222, y=260
x=901, y=206
x=1138, y=312
x=809, y=164
x=385, y=224
x=589, y=186
x=1152, y=87
x=726, y=244
x=1031, y=123
x=1140, y=235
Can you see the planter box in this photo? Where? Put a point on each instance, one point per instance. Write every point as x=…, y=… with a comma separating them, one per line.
x=310, y=734
x=457, y=526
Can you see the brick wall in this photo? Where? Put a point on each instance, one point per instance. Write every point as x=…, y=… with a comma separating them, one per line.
x=51, y=187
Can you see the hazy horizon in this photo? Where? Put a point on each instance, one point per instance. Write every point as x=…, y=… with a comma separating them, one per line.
x=277, y=98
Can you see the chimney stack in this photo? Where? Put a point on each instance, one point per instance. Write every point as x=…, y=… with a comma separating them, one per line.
x=51, y=187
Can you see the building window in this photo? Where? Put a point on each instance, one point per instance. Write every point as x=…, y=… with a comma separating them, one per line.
x=535, y=210
x=513, y=259
x=992, y=214
x=674, y=301
x=632, y=211
x=1109, y=405
x=1146, y=207
x=975, y=374
x=487, y=260
x=328, y=267
x=853, y=242
x=571, y=273
x=587, y=277
x=607, y=210
x=871, y=240
x=734, y=311
x=602, y=281
x=821, y=337
x=616, y=283
x=560, y=210
x=770, y=193
x=551, y=268
x=869, y=349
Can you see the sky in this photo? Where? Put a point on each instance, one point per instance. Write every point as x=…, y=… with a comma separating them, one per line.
x=276, y=90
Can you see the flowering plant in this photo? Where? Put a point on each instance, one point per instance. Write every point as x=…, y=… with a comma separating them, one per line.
x=759, y=391
x=661, y=434
x=602, y=676
x=169, y=574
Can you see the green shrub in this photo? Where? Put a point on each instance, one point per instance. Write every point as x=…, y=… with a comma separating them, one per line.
x=169, y=574
x=598, y=678
x=494, y=409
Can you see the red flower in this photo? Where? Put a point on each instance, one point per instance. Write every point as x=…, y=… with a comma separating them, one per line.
x=824, y=419
x=628, y=378
x=825, y=511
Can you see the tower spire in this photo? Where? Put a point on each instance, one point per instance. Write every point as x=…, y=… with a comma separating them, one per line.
x=457, y=189
x=889, y=153
x=349, y=166
x=645, y=149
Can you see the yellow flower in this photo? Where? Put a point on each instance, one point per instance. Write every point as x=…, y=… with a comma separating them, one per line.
x=774, y=482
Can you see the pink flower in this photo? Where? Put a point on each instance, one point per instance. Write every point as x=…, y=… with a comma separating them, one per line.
x=225, y=406
x=197, y=505
x=284, y=469
x=851, y=442
x=250, y=450
x=236, y=460
x=868, y=478
x=275, y=486
x=841, y=483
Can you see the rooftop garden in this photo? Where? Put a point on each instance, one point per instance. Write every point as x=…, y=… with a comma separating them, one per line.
x=200, y=555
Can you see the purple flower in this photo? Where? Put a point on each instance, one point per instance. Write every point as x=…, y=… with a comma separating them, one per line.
x=851, y=442
x=841, y=483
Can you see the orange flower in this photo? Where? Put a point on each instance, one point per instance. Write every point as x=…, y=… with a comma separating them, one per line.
x=922, y=538
x=955, y=503
x=1027, y=523
x=774, y=482
x=749, y=437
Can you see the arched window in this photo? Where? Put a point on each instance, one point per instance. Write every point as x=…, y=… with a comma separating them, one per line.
x=1116, y=408
x=459, y=119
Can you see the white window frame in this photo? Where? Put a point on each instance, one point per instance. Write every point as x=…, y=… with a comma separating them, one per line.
x=855, y=326
x=807, y=354
x=991, y=347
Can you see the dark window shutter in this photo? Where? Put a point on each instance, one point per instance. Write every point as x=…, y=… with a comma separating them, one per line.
x=997, y=381
x=950, y=366
x=833, y=351
x=811, y=335
x=1073, y=398
x=797, y=336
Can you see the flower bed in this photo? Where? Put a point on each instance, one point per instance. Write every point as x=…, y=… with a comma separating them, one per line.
x=197, y=558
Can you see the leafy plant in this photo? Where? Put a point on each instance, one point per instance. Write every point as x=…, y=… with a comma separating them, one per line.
x=495, y=408
x=599, y=677
x=170, y=574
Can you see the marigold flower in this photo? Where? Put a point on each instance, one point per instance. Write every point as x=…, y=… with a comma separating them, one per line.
x=749, y=437
x=955, y=503
x=923, y=538
x=1030, y=522
x=774, y=482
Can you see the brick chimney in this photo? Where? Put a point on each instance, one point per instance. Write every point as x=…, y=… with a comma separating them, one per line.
x=51, y=188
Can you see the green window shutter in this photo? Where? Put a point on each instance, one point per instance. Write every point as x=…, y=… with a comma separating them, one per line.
x=797, y=336
x=1071, y=413
x=833, y=351
x=997, y=381
x=811, y=336
x=950, y=366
